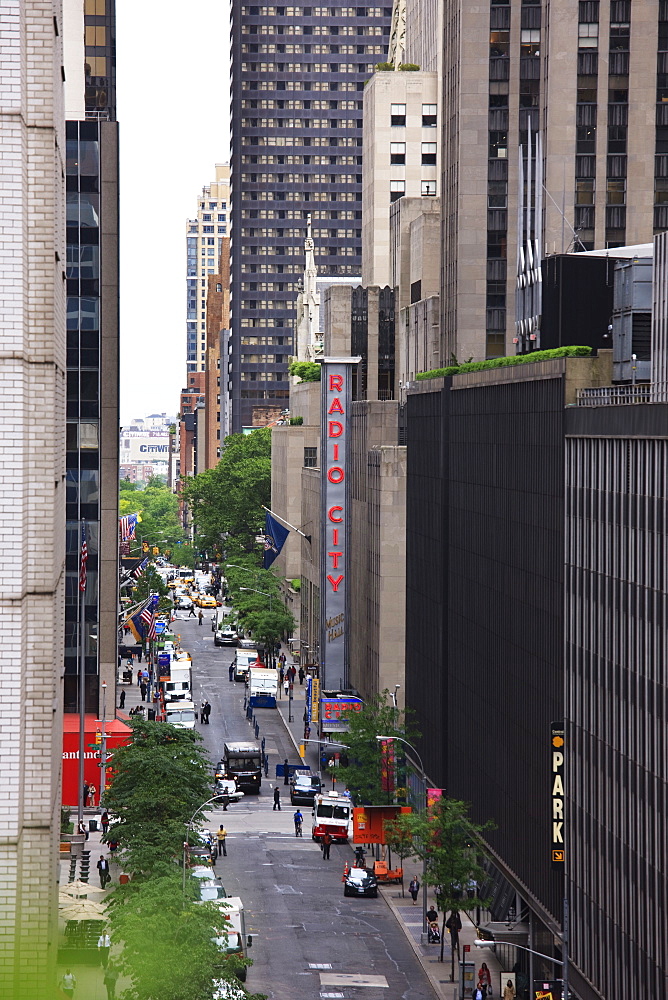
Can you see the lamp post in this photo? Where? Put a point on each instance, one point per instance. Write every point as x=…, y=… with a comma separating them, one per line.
x=423, y=778
x=185, y=842
x=103, y=747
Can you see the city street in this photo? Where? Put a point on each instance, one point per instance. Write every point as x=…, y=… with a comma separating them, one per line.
x=308, y=940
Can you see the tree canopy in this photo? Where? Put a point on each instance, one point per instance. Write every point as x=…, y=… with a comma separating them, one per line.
x=158, y=507
x=228, y=499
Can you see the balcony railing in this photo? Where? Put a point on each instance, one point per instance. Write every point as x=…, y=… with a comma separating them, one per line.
x=615, y=395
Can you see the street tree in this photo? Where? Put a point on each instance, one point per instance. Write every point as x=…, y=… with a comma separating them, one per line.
x=160, y=779
x=366, y=768
x=268, y=626
x=399, y=840
x=451, y=846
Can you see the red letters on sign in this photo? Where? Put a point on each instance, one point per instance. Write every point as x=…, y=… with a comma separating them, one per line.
x=335, y=556
x=336, y=474
x=335, y=429
x=330, y=515
x=335, y=536
x=336, y=383
x=335, y=582
x=336, y=406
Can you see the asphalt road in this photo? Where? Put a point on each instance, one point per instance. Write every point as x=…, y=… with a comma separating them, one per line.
x=308, y=940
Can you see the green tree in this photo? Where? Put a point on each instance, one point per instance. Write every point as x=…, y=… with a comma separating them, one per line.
x=363, y=773
x=451, y=847
x=400, y=840
x=160, y=779
x=149, y=583
x=268, y=626
x=229, y=499
x=158, y=507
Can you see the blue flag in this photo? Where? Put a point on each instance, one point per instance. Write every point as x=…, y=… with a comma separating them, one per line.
x=274, y=539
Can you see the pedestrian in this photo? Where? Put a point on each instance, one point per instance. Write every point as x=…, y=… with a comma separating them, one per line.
x=280, y=674
x=305, y=717
x=454, y=925
x=139, y=654
x=231, y=671
x=326, y=844
x=103, y=946
x=104, y=821
x=485, y=977
x=86, y=793
x=414, y=888
x=298, y=820
x=68, y=983
x=110, y=977
x=286, y=686
x=103, y=869
x=83, y=829
x=139, y=677
x=121, y=700
x=286, y=772
x=293, y=673
x=509, y=991
x=432, y=914
x=480, y=992
x=206, y=712
x=113, y=846
x=307, y=732
x=92, y=792
x=200, y=616
x=222, y=837
x=191, y=613
x=277, y=798
x=301, y=675
x=143, y=688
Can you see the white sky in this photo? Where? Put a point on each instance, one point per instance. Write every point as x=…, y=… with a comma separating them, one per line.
x=172, y=80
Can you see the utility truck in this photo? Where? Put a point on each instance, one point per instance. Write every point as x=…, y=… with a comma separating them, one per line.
x=262, y=687
x=332, y=814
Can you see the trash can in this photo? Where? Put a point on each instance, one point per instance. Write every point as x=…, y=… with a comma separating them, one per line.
x=92, y=825
x=151, y=715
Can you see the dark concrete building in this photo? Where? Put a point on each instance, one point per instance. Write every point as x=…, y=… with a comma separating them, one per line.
x=298, y=76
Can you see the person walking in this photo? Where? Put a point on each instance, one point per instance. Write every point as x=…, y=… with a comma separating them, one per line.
x=139, y=654
x=121, y=700
x=200, y=616
x=298, y=820
x=143, y=688
x=103, y=946
x=86, y=793
x=454, y=925
x=110, y=978
x=432, y=914
x=206, y=712
x=480, y=992
x=509, y=991
x=485, y=977
x=104, y=822
x=286, y=772
x=414, y=888
x=307, y=732
x=301, y=675
x=231, y=671
x=68, y=983
x=277, y=798
x=222, y=837
x=92, y=792
x=326, y=844
x=191, y=613
x=139, y=677
x=103, y=869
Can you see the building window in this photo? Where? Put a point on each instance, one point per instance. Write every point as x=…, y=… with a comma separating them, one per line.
x=428, y=188
x=428, y=154
x=587, y=36
x=206, y=218
x=397, y=114
x=428, y=116
x=397, y=152
x=310, y=458
x=207, y=229
x=397, y=190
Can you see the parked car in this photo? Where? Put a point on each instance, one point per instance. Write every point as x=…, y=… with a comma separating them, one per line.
x=202, y=854
x=183, y=603
x=360, y=882
x=226, y=789
x=205, y=872
x=226, y=636
x=211, y=892
x=247, y=643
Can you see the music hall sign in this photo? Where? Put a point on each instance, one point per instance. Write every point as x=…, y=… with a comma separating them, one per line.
x=335, y=522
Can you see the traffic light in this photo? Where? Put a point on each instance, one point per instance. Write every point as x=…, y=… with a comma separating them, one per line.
x=98, y=737
x=156, y=550
x=144, y=546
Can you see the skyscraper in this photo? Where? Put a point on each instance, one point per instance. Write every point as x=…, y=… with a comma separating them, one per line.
x=298, y=76
x=592, y=78
x=92, y=346
x=204, y=240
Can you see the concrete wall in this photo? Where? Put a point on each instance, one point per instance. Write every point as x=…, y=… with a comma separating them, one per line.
x=32, y=416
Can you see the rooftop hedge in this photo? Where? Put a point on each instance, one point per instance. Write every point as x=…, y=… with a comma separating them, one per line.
x=512, y=359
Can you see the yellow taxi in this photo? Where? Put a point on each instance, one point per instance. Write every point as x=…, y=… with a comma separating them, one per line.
x=206, y=601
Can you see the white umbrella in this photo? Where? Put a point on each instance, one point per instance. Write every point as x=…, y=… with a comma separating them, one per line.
x=79, y=888
x=82, y=909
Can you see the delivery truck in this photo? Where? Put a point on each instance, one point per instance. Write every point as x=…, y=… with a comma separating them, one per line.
x=262, y=687
x=242, y=662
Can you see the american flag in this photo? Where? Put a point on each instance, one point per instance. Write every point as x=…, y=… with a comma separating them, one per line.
x=84, y=559
x=127, y=525
x=147, y=613
x=138, y=570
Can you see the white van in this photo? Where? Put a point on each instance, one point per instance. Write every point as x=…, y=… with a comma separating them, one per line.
x=180, y=714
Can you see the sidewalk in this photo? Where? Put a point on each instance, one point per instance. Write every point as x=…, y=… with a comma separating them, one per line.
x=408, y=916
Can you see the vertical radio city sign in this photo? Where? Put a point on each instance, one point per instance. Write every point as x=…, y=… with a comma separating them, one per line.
x=334, y=522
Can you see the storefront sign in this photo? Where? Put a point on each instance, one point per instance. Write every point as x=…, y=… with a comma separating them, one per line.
x=335, y=408
x=334, y=713
x=557, y=755
x=315, y=699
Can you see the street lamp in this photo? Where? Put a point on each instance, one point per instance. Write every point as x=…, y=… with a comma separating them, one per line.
x=264, y=594
x=423, y=778
x=103, y=746
x=185, y=842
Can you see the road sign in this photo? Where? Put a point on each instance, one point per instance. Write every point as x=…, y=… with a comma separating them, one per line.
x=160, y=627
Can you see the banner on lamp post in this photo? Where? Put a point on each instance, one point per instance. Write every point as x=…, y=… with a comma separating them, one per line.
x=335, y=391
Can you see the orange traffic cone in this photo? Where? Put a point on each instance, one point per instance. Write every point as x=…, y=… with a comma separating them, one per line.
x=345, y=872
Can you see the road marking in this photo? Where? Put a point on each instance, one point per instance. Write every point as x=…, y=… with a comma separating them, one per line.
x=289, y=890
x=331, y=995
x=352, y=979
x=320, y=965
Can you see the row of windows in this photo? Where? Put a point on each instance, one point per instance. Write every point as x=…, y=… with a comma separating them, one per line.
x=317, y=105
x=267, y=376
x=398, y=153
x=298, y=251
x=308, y=67
x=301, y=196
x=262, y=11
x=295, y=142
x=335, y=234
x=304, y=179
x=306, y=85
x=398, y=189
x=293, y=213
x=207, y=217
x=317, y=29
x=325, y=123
x=319, y=48
x=341, y=161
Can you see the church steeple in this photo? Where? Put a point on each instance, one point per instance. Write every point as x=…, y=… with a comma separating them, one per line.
x=308, y=303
